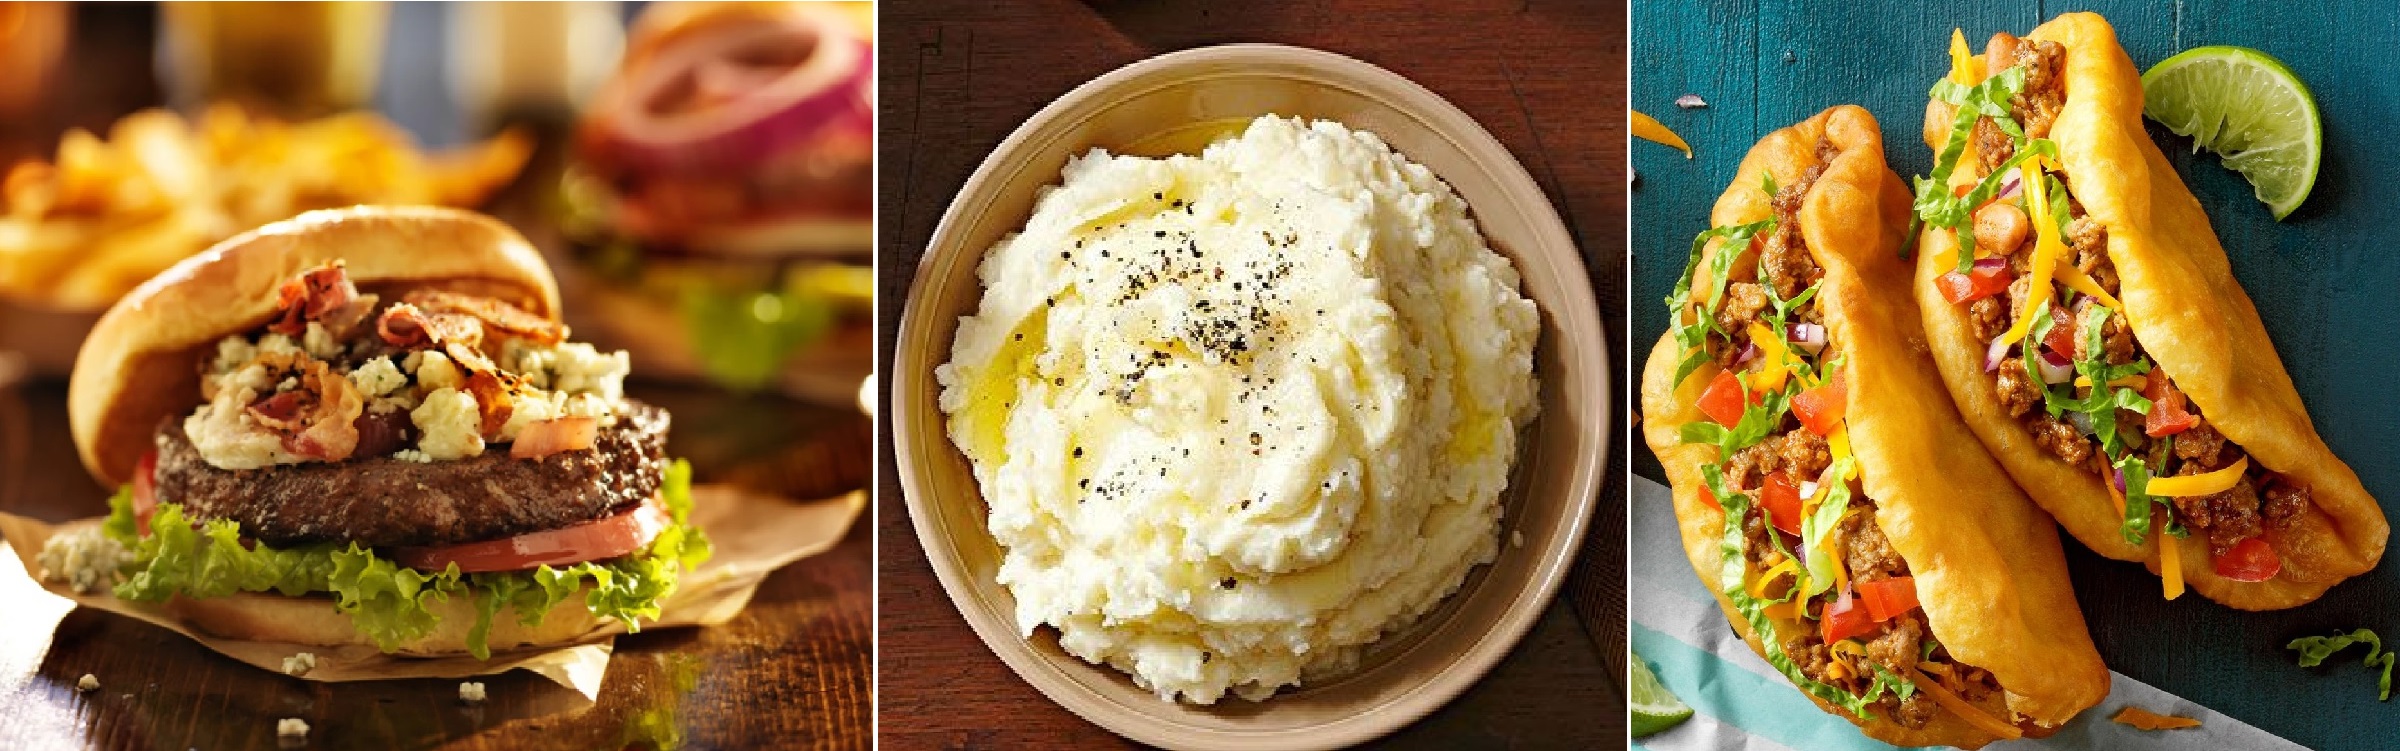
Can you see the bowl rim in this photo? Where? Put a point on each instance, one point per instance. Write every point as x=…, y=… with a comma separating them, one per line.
x=1490, y=643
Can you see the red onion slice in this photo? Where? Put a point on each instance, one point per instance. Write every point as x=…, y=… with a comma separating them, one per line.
x=1807, y=336
x=2012, y=182
x=829, y=91
x=2056, y=368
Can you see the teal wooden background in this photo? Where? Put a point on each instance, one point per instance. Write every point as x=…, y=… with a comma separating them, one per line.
x=2324, y=280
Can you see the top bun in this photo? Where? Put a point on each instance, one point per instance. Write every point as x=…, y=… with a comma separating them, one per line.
x=140, y=363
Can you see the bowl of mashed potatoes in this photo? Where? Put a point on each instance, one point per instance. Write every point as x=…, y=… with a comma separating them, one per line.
x=1250, y=397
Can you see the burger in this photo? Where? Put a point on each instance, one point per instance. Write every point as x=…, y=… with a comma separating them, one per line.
x=368, y=426
x=721, y=195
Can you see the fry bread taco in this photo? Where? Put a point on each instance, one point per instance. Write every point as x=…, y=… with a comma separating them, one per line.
x=2152, y=405
x=1876, y=555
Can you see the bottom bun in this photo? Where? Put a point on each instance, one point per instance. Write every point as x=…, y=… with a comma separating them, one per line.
x=312, y=620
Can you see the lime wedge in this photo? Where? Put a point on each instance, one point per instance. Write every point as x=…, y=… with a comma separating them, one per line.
x=2248, y=108
x=1654, y=708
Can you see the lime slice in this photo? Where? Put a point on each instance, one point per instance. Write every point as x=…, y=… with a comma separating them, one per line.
x=1654, y=708
x=2248, y=108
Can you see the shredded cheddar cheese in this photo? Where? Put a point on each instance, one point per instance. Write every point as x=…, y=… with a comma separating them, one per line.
x=1965, y=68
x=1650, y=129
x=1965, y=711
x=2206, y=483
x=2076, y=280
x=2136, y=381
x=2143, y=719
x=2170, y=564
x=1774, y=357
x=2046, y=251
x=1758, y=586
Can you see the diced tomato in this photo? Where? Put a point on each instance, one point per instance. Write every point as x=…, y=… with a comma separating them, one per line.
x=1961, y=190
x=2061, y=338
x=1978, y=283
x=1723, y=400
x=2251, y=560
x=1711, y=499
x=1889, y=598
x=590, y=541
x=145, y=492
x=1845, y=617
x=1820, y=408
x=2167, y=414
x=1781, y=500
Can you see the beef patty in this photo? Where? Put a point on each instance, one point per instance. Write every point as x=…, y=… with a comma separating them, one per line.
x=386, y=502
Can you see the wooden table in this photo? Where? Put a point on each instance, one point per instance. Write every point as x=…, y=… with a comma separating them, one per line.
x=2321, y=279
x=794, y=670
x=1545, y=77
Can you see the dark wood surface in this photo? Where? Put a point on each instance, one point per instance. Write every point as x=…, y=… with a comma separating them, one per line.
x=1547, y=78
x=793, y=670
x=2321, y=279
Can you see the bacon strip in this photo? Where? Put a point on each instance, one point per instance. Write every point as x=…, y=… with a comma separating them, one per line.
x=317, y=419
x=493, y=313
x=310, y=296
x=408, y=327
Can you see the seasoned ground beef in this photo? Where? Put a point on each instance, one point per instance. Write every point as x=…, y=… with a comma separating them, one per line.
x=1989, y=316
x=1743, y=302
x=1898, y=646
x=1865, y=549
x=1993, y=145
x=2019, y=393
x=2116, y=339
x=2284, y=503
x=2060, y=439
x=2090, y=243
x=386, y=502
x=1804, y=454
x=2036, y=106
x=2201, y=445
x=2227, y=518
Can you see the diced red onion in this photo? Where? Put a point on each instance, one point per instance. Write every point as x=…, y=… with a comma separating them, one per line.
x=2081, y=421
x=2011, y=183
x=1749, y=352
x=2056, y=368
x=1991, y=264
x=2117, y=476
x=1808, y=489
x=1808, y=336
x=1997, y=352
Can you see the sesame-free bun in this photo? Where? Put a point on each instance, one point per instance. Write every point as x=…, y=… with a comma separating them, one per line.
x=312, y=621
x=141, y=361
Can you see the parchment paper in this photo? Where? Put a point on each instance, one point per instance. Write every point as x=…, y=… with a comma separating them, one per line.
x=1740, y=702
x=753, y=536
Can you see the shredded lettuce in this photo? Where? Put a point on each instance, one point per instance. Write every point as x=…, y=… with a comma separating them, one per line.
x=1758, y=419
x=2314, y=649
x=1935, y=205
x=386, y=601
x=1754, y=610
x=1690, y=338
x=1816, y=529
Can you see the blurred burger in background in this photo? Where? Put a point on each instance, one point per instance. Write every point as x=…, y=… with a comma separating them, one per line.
x=720, y=198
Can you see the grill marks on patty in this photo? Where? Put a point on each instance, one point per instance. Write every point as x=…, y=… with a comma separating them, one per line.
x=386, y=502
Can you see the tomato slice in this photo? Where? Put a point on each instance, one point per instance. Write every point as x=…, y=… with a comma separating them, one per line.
x=145, y=492
x=590, y=541
x=1889, y=598
x=1820, y=408
x=1711, y=499
x=2251, y=560
x=1781, y=500
x=1845, y=617
x=2167, y=414
x=1723, y=401
x=1978, y=283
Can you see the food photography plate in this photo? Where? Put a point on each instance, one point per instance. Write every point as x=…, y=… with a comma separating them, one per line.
x=1167, y=103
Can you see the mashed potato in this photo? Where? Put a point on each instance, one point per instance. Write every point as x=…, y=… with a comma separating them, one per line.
x=1239, y=415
